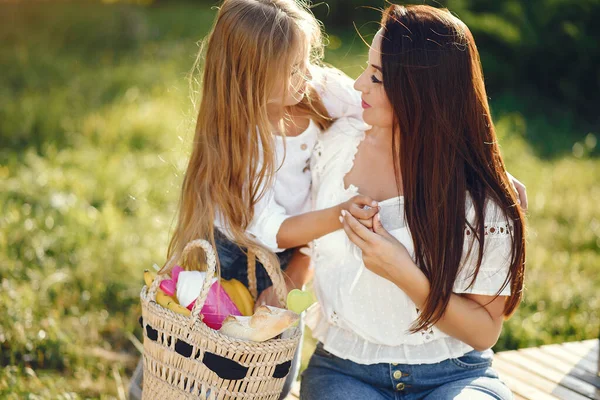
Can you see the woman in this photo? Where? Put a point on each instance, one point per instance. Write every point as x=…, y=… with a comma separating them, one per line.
x=411, y=301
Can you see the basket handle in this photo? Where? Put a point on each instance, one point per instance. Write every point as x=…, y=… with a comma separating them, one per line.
x=275, y=274
x=211, y=268
x=211, y=261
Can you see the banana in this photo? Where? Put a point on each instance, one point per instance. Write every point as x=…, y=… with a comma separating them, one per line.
x=179, y=309
x=240, y=295
x=149, y=277
x=231, y=292
x=163, y=299
x=245, y=296
x=170, y=303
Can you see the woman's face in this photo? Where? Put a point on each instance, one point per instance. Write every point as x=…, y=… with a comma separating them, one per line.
x=378, y=110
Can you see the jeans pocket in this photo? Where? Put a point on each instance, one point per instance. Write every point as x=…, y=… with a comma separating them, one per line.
x=473, y=360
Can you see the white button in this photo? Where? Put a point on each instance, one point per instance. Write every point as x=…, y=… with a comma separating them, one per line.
x=304, y=146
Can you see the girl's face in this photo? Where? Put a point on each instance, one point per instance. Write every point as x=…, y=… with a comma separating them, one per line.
x=296, y=82
x=377, y=108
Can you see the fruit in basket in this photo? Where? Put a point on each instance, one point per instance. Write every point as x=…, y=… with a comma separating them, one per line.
x=169, y=302
x=240, y=295
x=179, y=309
x=217, y=306
x=163, y=299
x=175, y=273
x=149, y=277
x=168, y=286
x=266, y=323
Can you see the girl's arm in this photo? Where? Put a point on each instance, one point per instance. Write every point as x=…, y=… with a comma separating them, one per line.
x=304, y=228
x=474, y=319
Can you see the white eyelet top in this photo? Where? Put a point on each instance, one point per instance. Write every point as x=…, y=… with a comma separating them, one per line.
x=291, y=192
x=361, y=316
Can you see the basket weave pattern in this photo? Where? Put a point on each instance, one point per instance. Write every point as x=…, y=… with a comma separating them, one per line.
x=175, y=345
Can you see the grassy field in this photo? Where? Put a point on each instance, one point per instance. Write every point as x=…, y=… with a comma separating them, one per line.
x=96, y=121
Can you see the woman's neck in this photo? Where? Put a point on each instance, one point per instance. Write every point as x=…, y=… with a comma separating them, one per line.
x=381, y=136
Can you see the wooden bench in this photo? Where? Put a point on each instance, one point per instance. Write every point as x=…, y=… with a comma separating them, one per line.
x=567, y=371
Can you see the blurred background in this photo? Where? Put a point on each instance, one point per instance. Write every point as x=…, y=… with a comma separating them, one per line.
x=96, y=120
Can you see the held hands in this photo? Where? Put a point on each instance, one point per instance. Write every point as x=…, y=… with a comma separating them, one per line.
x=382, y=253
x=363, y=208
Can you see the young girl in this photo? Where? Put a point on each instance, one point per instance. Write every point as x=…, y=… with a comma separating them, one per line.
x=263, y=102
x=247, y=183
x=411, y=301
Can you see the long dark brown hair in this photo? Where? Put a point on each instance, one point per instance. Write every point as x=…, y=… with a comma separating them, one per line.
x=447, y=148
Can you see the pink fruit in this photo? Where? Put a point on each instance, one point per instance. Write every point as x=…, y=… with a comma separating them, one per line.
x=168, y=286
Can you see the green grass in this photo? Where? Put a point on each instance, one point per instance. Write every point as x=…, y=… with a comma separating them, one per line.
x=95, y=127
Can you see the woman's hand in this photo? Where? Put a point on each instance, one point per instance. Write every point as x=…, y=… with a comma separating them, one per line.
x=382, y=253
x=363, y=208
x=520, y=190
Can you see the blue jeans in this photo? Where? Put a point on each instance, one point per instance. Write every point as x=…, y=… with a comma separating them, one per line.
x=470, y=376
x=234, y=263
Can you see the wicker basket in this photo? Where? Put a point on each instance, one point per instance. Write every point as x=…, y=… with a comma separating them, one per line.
x=185, y=359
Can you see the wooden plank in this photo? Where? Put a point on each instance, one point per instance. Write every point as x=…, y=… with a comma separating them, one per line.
x=560, y=352
x=519, y=386
x=587, y=349
x=559, y=378
x=539, y=382
x=562, y=366
x=296, y=389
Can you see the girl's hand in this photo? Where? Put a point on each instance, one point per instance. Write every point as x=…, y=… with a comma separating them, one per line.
x=520, y=190
x=363, y=208
x=269, y=296
x=382, y=253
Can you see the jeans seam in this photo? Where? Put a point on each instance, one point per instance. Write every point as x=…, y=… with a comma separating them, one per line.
x=464, y=365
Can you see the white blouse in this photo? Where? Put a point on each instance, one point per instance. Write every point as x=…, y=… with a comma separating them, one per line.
x=361, y=316
x=291, y=192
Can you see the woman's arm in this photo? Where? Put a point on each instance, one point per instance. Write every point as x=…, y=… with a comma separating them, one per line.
x=473, y=319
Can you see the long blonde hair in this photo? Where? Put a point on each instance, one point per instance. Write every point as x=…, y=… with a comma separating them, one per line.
x=252, y=47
